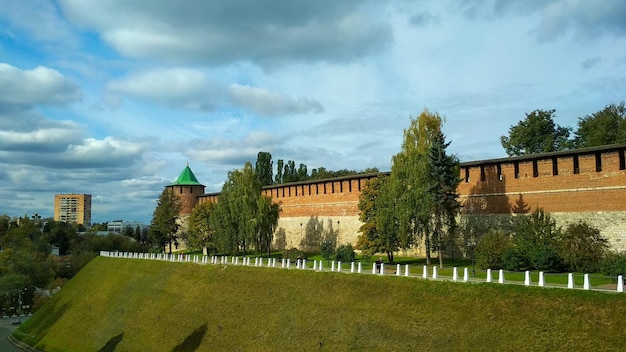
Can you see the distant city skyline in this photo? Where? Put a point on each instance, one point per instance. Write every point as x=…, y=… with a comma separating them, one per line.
x=113, y=98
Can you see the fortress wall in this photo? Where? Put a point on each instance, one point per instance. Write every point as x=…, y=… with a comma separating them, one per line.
x=586, y=184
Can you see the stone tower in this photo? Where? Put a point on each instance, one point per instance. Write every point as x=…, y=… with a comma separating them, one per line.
x=187, y=189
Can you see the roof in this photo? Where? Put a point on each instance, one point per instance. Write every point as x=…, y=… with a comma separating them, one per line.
x=187, y=178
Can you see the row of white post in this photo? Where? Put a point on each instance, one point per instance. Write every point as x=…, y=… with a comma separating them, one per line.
x=377, y=268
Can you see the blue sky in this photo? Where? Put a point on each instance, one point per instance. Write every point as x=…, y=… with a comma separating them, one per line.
x=112, y=98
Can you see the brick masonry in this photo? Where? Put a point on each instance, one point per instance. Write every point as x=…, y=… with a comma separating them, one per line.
x=586, y=184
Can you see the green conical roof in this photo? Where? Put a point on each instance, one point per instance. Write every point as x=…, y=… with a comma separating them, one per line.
x=186, y=178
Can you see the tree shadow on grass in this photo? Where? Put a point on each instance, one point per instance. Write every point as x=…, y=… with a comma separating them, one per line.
x=193, y=341
x=112, y=343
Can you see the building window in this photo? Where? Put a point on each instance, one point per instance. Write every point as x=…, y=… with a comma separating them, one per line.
x=350, y=186
x=516, y=169
x=482, y=172
x=598, y=162
x=340, y=186
x=467, y=177
x=499, y=171
x=576, y=166
x=535, y=169
x=622, y=161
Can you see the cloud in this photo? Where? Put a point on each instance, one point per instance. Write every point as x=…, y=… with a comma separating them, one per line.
x=591, y=63
x=266, y=33
x=37, y=19
x=263, y=102
x=192, y=89
x=39, y=86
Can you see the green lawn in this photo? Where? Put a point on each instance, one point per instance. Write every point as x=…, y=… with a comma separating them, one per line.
x=142, y=305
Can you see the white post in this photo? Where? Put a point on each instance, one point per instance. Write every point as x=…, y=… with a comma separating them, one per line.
x=303, y=264
x=465, y=274
x=288, y=263
x=542, y=281
x=455, y=274
x=332, y=266
x=321, y=267
x=527, y=278
x=406, y=270
x=397, y=269
x=488, y=275
x=282, y=263
x=297, y=263
x=620, y=283
x=373, y=268
x=352, y=267
x=338, y=266
x=425, y=272
x=260, y=261
x=501, y=276
x=570, y=280
x=274, y=262
x=314, y=265
x=434, y=272
x=586, y=284
x=360, y=268
x=382, y=268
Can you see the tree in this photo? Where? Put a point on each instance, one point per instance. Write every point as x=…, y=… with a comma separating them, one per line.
x=444, y=176
x=266, y=222
x=536, y=237
x=200, y=231
x=582, y=247
x=410, y=178
x=164, y=226
x=264, y=168
x=536, y=134
x=279, y=171
x=607, y=126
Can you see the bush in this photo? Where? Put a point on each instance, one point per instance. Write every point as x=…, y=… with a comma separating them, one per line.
x=490, y=250
x=327, y=249
x=345, y=254
x=545, y=258
x=293, y=254
x=613, y=264
x=582, y=248
x=514, y=260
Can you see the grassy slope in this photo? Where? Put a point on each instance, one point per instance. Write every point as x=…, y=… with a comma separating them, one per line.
x=137, y=305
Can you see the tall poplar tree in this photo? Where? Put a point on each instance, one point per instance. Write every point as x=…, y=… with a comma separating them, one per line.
x=264, y=168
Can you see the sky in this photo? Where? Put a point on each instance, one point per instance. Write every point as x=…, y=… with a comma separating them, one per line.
x=113, y=98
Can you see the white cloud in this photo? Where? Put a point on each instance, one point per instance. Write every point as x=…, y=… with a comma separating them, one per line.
x=40, y=85
x=216, y=32
x=262, y=102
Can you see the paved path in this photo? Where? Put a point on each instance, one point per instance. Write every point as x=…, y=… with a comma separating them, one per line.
x=5, y=330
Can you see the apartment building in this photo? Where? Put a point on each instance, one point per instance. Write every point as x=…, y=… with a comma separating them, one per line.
x=72, y=207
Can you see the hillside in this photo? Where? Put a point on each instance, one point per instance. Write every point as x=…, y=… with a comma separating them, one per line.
x=140, y=305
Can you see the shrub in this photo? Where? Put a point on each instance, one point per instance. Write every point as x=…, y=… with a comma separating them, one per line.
x=545, y=258
x=490, y=249
x=582, y=248
x=345, y=253
x=514, y=260
x=614, y=264
x=293, y=254
x=327, y=249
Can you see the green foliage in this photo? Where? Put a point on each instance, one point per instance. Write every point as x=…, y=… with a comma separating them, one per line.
x=606, y=126
x=345, y=253
x=370, y=240
x=200, y=227
x=514, y=259
x=536, y=238
x=281, y=240
x=328, y=249
x=582, y=247
x=536, y=134
x=444, y=180
x=545, y=258
x=294, y=254
x=264, y=168
x=313, y=235
x=243, y=218
x=613, y=264
x=490, y=249
x=408, y=199
x=164, y=225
